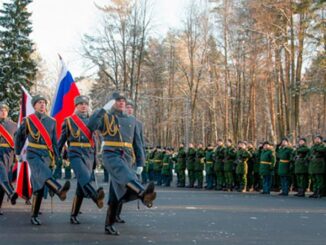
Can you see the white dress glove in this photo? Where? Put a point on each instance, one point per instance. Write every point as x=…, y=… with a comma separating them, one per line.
x=109, y=105
x=139, y=170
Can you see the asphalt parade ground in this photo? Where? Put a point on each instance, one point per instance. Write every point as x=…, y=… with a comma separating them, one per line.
x=179, y=216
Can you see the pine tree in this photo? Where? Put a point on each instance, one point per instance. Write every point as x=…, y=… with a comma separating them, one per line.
x=16, y=65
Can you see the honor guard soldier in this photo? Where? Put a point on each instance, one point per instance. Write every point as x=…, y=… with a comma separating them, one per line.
x=301, y=166
x=229, y=158
x=82, y=155
x=199, y=166
x=122, y=144
x=7, y=131
x=317, y=166
x=218, y=165
x=242, y=158
x=180, y=167
x=266, y=168
x=284, y=154
x=209, y=169
x=191, y=161
x=42, y=153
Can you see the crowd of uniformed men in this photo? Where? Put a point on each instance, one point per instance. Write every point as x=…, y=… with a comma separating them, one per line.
x=242, y=167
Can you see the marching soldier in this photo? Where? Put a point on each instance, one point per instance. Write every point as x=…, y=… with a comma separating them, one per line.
x=199, y=165
x=284, y=154
x=242, y=167
x=181, y=167
x=82, y=155
x=209, y=169
x=7, y=131
x=191, y=157
x=42, y=153
x=229, y=158
x=266, y=169
x=219, y=165
x=301, y=167
x=317, y=166
x=122, y=144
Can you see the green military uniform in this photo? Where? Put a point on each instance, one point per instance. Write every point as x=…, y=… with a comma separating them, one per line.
x=209, y=169
x=158, y=163
x=301, y=168
x=191, y=158
x=229, y=158
x=317, y=168
x=219, y=167
x=199, y=167
x=284, y=156
x=251, y=164
x=150, y=168
x=257, y=178
x=167, y=169
x=266, y=169
x=242, y=157
x=144, y=173
x=181, y=167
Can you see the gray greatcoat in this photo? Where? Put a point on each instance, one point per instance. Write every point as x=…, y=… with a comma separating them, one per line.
x=118, y=160
x=39, y=160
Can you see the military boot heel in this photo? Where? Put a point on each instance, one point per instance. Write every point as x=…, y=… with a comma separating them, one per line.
x=36, y=204
x=60, y=191
x=96, y=196
x=76, y=204
x=111, y=213
x=10, y=192
x=148, y=195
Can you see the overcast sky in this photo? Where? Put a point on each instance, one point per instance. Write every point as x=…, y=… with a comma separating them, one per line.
x=58, y=26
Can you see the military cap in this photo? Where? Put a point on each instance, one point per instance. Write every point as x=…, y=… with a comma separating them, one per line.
x=116, y=95
x=130, y=102
x=266, y=143
x=4, y=106
x=285, y=139
x=304, y=139
x=81, y=99
x=37, y=98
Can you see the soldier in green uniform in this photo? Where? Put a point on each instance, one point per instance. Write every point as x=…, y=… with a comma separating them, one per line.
x=266, y=169
x=229, y=158
x=251, y=164
x=284, y=155
x=199, y=165
x=317, y=166
x=209, y=169
x=301, y=166
x=167, y=168
x=150, y=169
x=181, y=167
x=218, y=165
x=242, y=157
x=191, y=158
x=257, y=178
x=158, y=158
x=144, y=174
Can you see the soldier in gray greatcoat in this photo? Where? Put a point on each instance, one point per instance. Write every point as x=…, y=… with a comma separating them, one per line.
x=40, y=157
x=6, y=154
x=122, y=144
x=82, y=156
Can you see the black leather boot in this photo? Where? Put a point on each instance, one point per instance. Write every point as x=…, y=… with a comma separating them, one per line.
x=60, y=191
x=10, y=192
x=148, y=195
x=76, y=204
x=36, y=204
x=96, y=196
x=110, y=229
x=117, y=217
x=2, y=195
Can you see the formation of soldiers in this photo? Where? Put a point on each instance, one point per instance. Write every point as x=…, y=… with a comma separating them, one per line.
x=242, y=167
x=123, y=148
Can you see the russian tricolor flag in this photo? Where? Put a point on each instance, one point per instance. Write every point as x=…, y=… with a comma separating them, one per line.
x=63, y=101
